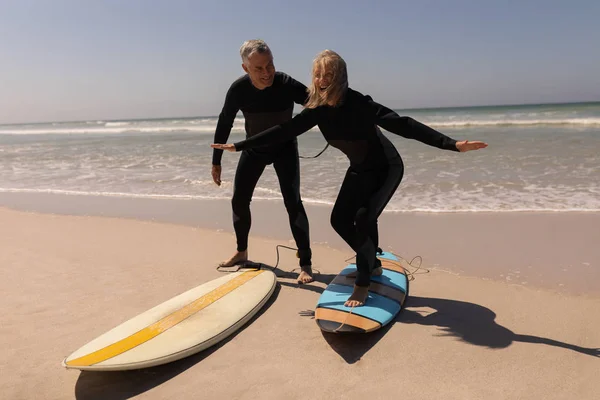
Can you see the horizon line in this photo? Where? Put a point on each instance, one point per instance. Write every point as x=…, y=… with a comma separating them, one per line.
x=394, y=109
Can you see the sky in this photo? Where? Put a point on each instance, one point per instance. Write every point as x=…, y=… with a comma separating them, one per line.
x=67, y=60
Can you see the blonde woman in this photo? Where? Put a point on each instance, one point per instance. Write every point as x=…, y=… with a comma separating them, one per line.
x=348, y=120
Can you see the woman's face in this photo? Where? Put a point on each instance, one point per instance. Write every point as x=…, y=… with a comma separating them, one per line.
x=322, y=77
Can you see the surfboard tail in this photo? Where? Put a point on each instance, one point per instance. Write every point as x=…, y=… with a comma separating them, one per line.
x=336, y=321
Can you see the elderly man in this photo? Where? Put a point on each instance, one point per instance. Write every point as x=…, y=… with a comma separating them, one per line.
x=266, y=98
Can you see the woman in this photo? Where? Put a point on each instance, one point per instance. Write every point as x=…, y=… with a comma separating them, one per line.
x=348, y=120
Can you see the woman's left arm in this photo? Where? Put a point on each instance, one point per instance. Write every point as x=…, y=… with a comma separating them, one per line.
x=412, y=129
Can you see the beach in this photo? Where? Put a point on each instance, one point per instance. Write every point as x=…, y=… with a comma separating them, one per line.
x=103, y=220
x=119, y=205
x=75, y=267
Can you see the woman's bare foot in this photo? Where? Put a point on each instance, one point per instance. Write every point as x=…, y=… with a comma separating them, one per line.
x=305, y=275
x=237, y=258
x=358, y=297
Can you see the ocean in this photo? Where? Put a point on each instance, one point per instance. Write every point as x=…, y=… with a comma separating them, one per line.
x=543, y=157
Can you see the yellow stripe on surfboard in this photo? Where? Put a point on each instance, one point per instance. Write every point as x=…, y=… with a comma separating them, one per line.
x=162, y=325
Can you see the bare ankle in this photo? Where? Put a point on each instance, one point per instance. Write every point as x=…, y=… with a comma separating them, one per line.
x=305, y=275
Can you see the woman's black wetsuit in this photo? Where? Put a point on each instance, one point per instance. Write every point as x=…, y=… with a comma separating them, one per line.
x=376, y=168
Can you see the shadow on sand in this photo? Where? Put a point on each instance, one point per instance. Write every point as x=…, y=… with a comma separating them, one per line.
x=116, y=385
x=471, y=323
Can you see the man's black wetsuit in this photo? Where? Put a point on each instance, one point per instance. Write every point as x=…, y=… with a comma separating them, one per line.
x=375, y=171
x=263, y=109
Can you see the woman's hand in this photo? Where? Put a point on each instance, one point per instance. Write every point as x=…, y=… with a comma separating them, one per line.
x=466, y=145
x=226, y=146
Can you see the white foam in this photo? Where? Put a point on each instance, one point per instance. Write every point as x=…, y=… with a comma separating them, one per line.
x=208, y=125
x=514, y=122
x=227, y=196
x=109, y=130
x=112, y=194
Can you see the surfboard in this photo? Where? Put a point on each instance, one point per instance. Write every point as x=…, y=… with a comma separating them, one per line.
x=387, y=295
x=179, y=327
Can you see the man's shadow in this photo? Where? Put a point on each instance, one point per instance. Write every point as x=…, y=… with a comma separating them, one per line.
x=471, y=323
x=126, y=384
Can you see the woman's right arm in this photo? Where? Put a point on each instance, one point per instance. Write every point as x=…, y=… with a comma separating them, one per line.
x=281, y=133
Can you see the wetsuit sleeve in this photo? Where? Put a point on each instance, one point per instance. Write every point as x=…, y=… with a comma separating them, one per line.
x=300, y=92
x=409, y=128
x=281, y=133
x=225, y=123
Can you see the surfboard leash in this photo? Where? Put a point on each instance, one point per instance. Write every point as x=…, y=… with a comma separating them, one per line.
x=244, y=264
x=345, y=319
x=258, y=265
x=297, y=256
x=322, y=151
x=410, y=274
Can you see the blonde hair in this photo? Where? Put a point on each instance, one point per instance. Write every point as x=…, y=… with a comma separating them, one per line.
x=330, y=61
x=253, y=46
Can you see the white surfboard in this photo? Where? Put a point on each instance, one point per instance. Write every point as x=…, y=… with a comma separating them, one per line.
x=179, y=327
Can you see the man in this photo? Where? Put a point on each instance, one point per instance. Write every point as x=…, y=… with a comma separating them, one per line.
x=266, y=98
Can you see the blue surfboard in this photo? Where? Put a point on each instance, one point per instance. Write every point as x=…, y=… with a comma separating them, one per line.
x=387, y=295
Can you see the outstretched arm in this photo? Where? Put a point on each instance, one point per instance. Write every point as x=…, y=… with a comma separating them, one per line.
x=412, y=129
x=277, y=134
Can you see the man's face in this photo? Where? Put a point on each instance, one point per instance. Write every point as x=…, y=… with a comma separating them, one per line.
x=261, y=69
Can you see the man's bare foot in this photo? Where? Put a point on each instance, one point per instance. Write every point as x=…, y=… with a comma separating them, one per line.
x=237, y=258
x=305, y=275
x=358, y=297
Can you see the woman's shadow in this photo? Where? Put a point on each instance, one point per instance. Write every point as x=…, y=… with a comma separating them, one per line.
x=471, y=323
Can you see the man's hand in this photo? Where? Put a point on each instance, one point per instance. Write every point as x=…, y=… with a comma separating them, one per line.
x=216, y=174
x=465, y=145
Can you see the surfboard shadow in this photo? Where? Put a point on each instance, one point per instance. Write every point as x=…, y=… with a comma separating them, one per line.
x=353, y=346
x=117, y=385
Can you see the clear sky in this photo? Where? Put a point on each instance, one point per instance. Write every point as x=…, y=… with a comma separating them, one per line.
x=115, y=59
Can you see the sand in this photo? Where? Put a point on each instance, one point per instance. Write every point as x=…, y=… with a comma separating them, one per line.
x=67, y=279
x=555, y=251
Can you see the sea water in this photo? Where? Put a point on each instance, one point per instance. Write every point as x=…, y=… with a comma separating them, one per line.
x=540, y=158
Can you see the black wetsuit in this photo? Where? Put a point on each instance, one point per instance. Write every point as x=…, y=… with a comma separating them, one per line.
x=375, y=170
x=263, y=109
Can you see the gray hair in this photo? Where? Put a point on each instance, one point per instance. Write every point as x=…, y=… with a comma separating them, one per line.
x=253, y=46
